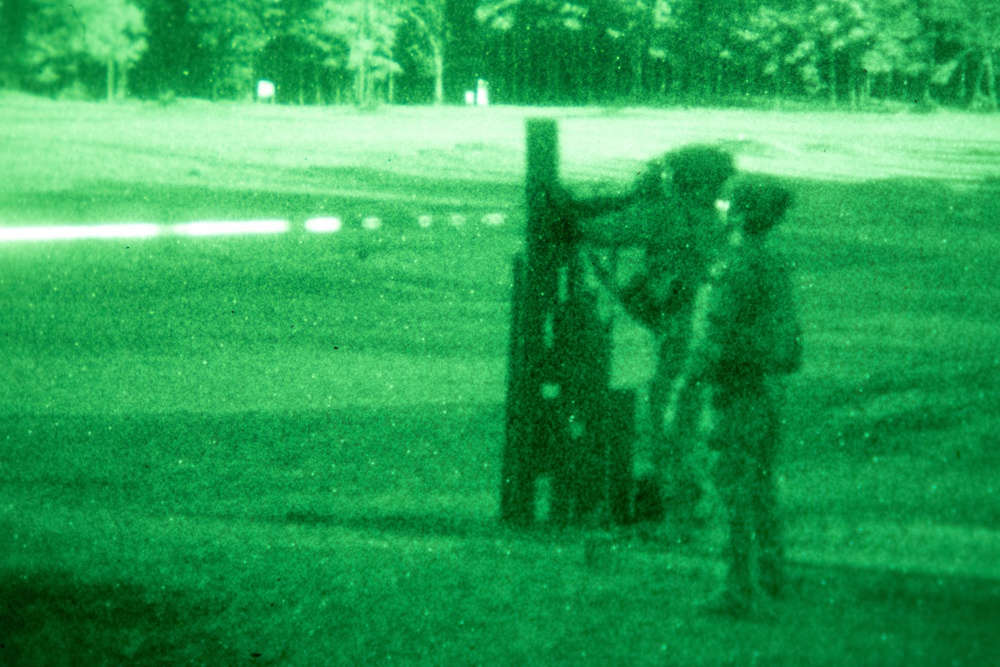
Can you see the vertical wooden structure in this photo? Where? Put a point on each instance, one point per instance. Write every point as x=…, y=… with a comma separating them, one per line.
x=564, y=423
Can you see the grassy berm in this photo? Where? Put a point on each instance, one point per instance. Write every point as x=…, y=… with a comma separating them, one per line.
x=285, y=449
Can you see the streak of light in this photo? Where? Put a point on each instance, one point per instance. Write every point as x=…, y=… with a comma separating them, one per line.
x=76, y=232
x=229, y=227
x=323, y=225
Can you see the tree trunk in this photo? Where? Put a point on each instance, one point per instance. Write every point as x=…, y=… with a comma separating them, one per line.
x=364, y=88
x=637, y=53
x=852, y=83
x=361, y=86
x=963, y=82
x=989, y=73
x=833, y=79
x=438, y=76
x=111, y=80
x=518, y=47
x=122, y=81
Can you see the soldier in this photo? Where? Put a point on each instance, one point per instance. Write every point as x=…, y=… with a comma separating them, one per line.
x=673, y=215
x=745, y=336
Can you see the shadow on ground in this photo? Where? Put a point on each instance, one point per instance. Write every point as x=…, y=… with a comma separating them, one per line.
x=58, y=618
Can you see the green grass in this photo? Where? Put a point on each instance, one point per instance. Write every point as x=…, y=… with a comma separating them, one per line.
x=285, y=450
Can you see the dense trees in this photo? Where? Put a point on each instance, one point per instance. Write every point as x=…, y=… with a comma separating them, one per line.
x=13, y=20
x=732, y=50
x=532, y=51
x=51, y=45
x=969, y=34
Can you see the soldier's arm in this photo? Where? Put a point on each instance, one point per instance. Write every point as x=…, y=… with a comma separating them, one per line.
x=593, y=207
x=786, y=338
x=629, y=219
x=640, y=223
x=649, y=185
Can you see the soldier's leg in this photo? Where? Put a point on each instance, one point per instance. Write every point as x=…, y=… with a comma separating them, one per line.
x=685, y=484
x=677, y=431
x=648, y=500
x=655, y=460
x=765, y=510
x=659, y=390
x=733, y=483
x=647, y=433
x=738, y=594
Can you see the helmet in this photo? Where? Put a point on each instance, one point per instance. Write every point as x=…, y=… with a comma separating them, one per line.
x=699, y=171
x=761, y=201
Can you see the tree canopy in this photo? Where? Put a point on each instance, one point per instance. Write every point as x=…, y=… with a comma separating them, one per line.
x=842, y=52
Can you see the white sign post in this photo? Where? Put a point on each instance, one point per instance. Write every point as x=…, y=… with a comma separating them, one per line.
x=265, y=91
x=482, y=93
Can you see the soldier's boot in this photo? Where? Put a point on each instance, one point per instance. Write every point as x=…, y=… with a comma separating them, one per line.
x=771, y=562
x=737, y=597
x=649, y=506
x=772, y=578
x=736, y=600
x=681, y=498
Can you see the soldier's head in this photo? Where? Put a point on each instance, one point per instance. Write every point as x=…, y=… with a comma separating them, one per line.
x=699, y=172
x=760, y=202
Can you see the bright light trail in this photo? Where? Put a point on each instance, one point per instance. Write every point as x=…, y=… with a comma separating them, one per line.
x=76, y=232
x=140, y=230
x=228, y=228
x=323, y=225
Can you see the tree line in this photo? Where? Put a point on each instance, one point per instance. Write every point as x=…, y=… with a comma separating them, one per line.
x=365, y=52
x=683, y=51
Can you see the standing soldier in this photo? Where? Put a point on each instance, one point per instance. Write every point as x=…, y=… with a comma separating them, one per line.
x=746, y=335
x=674, y=217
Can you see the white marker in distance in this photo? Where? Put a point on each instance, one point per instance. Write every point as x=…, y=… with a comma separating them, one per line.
x=494, y=219
x=372, y=223
x=324, y=225
x=457, y=219
x=425, y=221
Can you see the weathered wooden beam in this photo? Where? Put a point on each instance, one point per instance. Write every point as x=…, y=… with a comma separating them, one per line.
x=559, y=366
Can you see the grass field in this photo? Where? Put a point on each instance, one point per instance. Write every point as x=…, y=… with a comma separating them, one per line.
x=284, y=449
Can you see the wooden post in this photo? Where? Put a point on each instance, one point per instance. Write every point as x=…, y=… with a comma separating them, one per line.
x=559, y=367
x=535, y=282
x=516, y=487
